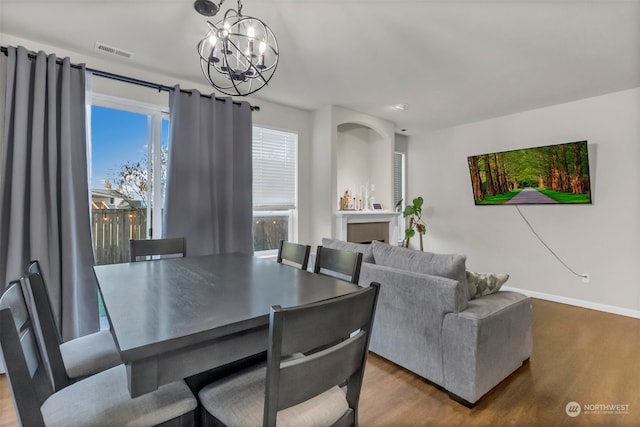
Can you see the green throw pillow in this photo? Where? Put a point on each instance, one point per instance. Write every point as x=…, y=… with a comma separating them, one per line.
x=481, y=284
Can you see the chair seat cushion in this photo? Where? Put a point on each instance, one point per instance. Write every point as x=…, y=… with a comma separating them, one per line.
x=103, y=400
x=238, y=400
x=89, y=354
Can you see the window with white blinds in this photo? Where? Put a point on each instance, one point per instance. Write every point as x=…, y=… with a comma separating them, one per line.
x=398, y=177
x=274, y=169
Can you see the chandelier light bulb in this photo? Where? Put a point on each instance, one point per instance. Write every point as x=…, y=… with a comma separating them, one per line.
x=250, y=34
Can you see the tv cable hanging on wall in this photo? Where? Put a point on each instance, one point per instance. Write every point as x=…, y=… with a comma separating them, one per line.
x=585, y=277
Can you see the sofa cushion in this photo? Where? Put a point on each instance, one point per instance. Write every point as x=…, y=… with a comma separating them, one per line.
x=481, y=284
x=451, y=266
x=364, y=249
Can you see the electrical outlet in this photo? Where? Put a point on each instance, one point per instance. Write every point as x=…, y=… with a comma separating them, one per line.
x=585, y=278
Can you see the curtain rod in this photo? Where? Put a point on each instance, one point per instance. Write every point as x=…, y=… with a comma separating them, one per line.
x=132, y=80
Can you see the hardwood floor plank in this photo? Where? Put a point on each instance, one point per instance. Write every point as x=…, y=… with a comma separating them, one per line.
x=7, y=413
x=580, y=355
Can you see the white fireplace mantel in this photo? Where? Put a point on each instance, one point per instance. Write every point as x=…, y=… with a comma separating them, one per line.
x=342, y=218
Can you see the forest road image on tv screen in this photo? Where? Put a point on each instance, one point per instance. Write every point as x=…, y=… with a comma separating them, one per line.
x=551, y=174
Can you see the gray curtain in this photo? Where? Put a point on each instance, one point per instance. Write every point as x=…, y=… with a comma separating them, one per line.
x=43, y=188
x=208, y=199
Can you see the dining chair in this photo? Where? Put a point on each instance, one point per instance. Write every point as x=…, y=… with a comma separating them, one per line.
x=294, y=254
x=146, y=248
x=338, y=263
x=100, y=400
x=74, y=359
x=321, y=389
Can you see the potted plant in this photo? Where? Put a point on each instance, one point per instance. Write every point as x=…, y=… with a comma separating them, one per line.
x=414, y=212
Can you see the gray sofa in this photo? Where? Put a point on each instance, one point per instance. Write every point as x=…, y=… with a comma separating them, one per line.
x=425, y=321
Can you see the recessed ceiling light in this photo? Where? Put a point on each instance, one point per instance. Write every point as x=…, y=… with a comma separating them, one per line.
x=400, y=107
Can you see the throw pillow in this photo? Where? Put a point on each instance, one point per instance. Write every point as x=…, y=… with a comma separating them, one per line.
x=481, y=284
x=451, y=266
x=364, y=249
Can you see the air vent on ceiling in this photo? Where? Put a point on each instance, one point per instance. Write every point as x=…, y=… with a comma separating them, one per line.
x=101, y=47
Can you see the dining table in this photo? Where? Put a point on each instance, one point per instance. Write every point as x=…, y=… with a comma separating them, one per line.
x=176, y=317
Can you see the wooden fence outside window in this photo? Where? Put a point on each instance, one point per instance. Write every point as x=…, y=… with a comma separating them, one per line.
x=112, y=230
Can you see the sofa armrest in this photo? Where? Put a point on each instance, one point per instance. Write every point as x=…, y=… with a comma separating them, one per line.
x=486, y=342
x=409, y=315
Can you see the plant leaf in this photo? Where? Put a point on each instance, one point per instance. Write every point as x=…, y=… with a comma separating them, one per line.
x=417, y=203
x=408, y=211
x=409, y=232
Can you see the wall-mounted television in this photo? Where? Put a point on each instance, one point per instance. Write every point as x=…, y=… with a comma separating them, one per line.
x=551, y=174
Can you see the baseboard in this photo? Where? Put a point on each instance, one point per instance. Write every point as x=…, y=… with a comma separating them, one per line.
x=579, y=303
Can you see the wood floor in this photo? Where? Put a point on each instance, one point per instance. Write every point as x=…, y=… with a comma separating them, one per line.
x=579, y=355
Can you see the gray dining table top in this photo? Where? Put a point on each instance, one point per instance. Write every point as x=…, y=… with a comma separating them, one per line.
x=164, y=305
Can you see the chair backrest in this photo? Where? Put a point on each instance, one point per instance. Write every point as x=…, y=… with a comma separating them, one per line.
x=43, y=304
x=341, y=327
x=26, y=372
x=294, y=254
x=48, y=335
x=338, y=263
x=145, y=248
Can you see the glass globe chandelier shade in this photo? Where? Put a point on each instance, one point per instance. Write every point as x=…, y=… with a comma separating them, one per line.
x=239, y=54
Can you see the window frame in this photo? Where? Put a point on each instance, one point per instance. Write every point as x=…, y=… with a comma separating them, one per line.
x=155, y=115
x=289, y=213
x=403, y=189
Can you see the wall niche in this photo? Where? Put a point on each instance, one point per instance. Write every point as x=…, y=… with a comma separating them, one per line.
x=362, y=163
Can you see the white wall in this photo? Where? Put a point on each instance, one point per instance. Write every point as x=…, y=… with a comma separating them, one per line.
x=323, y=175
x=361, y=156
x=600, y=239
x=353, y=158
x=324, y=166
x=380, y=151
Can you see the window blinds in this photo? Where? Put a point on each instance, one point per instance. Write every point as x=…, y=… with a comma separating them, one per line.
x=398, y=175
x=274, y=169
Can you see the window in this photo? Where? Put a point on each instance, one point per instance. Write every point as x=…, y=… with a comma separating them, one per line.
x=399, y=187
x=274, y=187
x=398, y=178
x=128, y=146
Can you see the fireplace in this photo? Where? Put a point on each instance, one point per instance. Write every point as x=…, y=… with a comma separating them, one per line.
x=366, y=226
x=367, y=232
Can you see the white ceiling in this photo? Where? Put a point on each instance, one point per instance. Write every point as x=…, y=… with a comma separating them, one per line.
x=451, y=61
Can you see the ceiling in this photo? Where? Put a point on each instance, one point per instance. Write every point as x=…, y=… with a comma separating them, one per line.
x=451, y=62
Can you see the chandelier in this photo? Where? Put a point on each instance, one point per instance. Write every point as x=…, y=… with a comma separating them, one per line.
x=239, y=54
